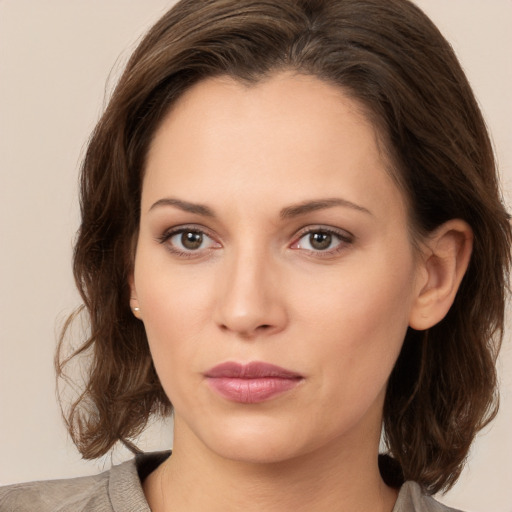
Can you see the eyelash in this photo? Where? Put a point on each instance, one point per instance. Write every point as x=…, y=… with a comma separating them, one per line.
x=345, y=238
x=169, y=234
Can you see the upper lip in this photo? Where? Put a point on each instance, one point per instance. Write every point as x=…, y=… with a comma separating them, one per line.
x=252, y=370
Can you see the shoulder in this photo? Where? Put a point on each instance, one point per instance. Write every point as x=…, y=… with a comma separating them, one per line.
x=79, y=494
x=116, y=490
x=411, y=498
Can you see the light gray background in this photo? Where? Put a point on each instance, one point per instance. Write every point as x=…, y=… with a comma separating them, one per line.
x=55, y=58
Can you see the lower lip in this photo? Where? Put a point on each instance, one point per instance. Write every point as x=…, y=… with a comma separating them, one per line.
x=251, y=391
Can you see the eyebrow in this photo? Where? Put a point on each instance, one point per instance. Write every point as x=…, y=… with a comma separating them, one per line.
x=198, y=209
x=319, y=204
x=285, y=213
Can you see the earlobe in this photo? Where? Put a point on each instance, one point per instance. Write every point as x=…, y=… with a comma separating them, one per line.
x=445, y=259
x=134, y=301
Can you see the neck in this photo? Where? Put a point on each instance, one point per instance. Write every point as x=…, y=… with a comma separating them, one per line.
x=334, y=478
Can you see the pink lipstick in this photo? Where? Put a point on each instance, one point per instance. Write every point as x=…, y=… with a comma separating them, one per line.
x=251, y=383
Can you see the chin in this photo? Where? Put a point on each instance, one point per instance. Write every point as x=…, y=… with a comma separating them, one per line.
x=257, y=452
x=255, y=444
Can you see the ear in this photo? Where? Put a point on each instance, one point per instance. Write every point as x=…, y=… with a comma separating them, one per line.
x=134, y=301
x=445, y=259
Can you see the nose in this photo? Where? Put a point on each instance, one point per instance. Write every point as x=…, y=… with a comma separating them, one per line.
x=251, y=297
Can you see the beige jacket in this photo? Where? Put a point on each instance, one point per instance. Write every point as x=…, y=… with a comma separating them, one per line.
x=120, y=490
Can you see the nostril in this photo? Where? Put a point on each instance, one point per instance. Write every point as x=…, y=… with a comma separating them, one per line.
x=247, y=333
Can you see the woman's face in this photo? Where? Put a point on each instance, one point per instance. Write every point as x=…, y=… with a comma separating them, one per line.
x=272, y=234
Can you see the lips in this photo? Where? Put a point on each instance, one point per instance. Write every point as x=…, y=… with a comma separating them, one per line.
x=251, y=383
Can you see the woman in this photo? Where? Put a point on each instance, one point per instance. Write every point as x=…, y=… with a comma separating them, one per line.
x=292, y=232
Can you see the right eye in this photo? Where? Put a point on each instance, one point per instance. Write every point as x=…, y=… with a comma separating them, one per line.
x=188, y=241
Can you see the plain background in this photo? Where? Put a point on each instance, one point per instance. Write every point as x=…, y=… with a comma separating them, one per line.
x=55, y=58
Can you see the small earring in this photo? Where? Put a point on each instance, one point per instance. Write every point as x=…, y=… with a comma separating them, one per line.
x=136, y=309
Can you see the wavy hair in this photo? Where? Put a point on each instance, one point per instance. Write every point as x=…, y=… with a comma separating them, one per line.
x=387, y=55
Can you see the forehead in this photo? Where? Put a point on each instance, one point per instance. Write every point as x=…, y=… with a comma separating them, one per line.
x=290, y=132
x=302, y=106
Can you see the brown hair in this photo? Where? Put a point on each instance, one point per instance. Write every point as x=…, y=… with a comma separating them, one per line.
x=390, y=57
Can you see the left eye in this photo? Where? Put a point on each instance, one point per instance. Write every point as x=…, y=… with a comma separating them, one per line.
x=320, y=241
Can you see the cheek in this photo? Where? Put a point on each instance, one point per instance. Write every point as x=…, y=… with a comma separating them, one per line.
x=362, y=321
x=364, y=297
x=174, y=307
x=171, y=297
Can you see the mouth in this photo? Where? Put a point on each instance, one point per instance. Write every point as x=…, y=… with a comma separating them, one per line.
x=251, y=383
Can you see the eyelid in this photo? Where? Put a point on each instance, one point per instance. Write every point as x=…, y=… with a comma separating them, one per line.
x=183, y=228
x=345, y=237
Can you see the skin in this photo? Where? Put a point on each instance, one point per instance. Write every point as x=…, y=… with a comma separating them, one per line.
x=257, y=289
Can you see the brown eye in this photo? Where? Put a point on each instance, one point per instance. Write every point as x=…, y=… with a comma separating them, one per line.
x=191, y=240
x=323, y=242
x=188, y=242
x=320, y=241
